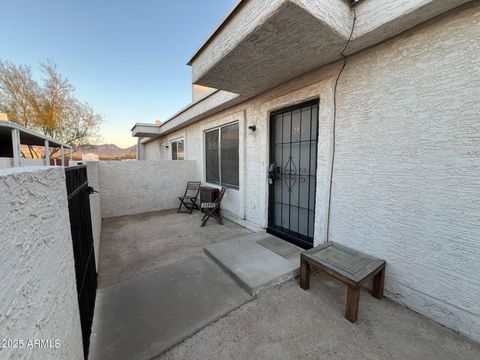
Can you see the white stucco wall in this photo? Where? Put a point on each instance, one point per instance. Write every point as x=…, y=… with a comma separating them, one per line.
x=38, y=297
x=8, y=162
x=407, y=164
x=153, y=151
x=407, y=170
x=232, y=204
x=133, y=187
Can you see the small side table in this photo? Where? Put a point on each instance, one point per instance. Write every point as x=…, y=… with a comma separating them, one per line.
x=351, y=267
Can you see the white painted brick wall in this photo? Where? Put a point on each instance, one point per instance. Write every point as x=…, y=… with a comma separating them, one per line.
x=38, y=297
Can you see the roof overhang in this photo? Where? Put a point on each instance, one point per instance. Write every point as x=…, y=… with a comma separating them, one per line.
x=27, y=136
x=265, y=43
x=262, y=44
x=208, y=105
x=145, y=130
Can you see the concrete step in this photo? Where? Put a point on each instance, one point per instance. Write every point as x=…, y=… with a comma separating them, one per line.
x=257, y=261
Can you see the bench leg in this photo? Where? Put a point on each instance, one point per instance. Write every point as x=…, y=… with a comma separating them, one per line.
x=304, y=274
x=378, y=282
x=353, y=299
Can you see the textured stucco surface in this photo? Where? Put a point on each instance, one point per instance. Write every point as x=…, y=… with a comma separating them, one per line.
x=267, y=43
x=134, y=187
x=38, y=297
x=5, y=163
x=378, y=20
x=153, y=151
x=251, y=16
x=281, y=35
x=194, y=150
x=407, y=164
x=8, y=162
x=213, y=103
x=407, y=171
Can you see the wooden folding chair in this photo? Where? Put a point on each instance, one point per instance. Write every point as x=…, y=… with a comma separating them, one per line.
x=213, y=209
x=189, y=199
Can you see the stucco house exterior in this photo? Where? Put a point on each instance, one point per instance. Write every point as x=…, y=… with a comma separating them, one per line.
x=379, y=151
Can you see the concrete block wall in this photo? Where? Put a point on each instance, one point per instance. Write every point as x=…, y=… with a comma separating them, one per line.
x=134, y=187
x=38, y=297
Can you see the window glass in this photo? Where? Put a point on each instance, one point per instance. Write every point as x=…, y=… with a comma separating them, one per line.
x=211, y=157
x=222, y=156
x=229, y=155
x=178, y=150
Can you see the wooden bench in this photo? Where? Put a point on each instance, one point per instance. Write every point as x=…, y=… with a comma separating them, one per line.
x=351, y=267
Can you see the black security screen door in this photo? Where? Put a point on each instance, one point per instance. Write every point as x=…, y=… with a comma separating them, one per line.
x=292, y=180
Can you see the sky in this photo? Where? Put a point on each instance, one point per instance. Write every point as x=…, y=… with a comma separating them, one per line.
x=126, y=58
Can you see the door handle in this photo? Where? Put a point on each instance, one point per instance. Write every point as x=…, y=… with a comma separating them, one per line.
x=272, y=169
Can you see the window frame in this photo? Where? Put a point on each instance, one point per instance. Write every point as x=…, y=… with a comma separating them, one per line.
x=219, y=129
x=171, y=148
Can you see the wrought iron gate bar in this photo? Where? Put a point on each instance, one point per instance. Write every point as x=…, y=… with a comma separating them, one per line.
x=77, y=190
x=309, y=171
x=83, y=248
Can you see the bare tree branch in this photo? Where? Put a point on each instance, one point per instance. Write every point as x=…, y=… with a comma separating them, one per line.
x=49, y=106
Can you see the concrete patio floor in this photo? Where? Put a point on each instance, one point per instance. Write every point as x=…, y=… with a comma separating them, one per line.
x=131, y=245
x=157, y=287
x=139, y=318
x=287, y=323
x=142, y=258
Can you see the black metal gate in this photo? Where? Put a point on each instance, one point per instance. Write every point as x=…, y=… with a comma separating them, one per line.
x=83, y=251
x=292, y=173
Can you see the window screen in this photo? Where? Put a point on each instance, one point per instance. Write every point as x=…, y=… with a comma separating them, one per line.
x=229, y=155
x=178, y=150
x=211, y=157
x=221, y=156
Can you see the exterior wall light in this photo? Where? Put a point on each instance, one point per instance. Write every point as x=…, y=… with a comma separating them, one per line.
x=252, y=127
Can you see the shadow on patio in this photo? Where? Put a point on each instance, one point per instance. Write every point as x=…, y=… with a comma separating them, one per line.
x=158, y=288
x=135, y=244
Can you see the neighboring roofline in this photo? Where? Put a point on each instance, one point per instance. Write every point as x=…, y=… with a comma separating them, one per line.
x=178, y=112
x=236, y=8
x=11, y=125
x=144, y=124
x=189, y=106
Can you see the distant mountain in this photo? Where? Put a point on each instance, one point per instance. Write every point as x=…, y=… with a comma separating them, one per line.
x=105, y=149
x=104, y=152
